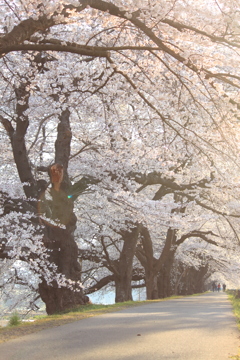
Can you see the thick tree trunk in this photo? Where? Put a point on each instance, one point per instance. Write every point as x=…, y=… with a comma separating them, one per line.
x=60, y=299
x=151, y=286
x=63, y=252
x=157, y=271
x=161, y=290
x=163, y=283
x=123, y=276
x=60, y=236
x=123, y=288
x=164, y=277
x=144, y=253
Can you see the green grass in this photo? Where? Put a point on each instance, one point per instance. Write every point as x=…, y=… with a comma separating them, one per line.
x=14, y=320
x=236, y=307
x=94, y=309
x=236, y=311
x=100, y=308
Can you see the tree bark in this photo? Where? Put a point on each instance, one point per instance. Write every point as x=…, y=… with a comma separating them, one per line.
x=123, y=276
x=123, y=288
x=194, y=280
x=59, y=218
x=157, y=271
x=144, y=253
x=63, y=252
x=164, y=276
x=60, y=236
x=151, y=285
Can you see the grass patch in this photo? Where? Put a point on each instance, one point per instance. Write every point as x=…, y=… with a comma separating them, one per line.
x=236, y=311
x=14, y=320
x=236, y=307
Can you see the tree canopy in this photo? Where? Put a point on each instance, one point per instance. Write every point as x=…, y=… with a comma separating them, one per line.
x=120, y=143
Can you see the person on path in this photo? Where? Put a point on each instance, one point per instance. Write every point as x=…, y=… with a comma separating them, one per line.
x=224, y=287
x=219, y=287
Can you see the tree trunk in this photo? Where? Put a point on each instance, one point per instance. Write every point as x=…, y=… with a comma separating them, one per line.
x=151, y=285
x=60, y=299
x=163, y=283
x=144, y=253
x=123, y=276
x=63, y=252
x=194, y=280
x=58, y=237
x=161, y=289
x=177, y=286
x=164, y=276
x=123, y=288
x=65, y=255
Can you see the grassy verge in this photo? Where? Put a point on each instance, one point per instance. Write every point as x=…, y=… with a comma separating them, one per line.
x=236, y=311
x=236, y=307
x=82, y=312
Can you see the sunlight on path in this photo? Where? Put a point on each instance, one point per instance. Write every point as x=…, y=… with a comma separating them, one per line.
x=192, y=328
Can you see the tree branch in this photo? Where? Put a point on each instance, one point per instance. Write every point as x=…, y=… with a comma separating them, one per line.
x=99, y=285
x=94, y=52
x=7, y=126
x=198, y=234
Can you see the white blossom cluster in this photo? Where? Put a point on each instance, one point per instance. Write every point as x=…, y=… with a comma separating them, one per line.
x=157, y=91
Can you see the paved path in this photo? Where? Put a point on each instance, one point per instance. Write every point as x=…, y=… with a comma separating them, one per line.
x=191, y=328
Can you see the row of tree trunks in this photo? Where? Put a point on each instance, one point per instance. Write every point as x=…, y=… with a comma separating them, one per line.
x=193, y=281
x=59, y=238
x=160, y=279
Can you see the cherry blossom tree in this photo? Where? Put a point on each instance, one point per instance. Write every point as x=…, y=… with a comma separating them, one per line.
x=97, y=97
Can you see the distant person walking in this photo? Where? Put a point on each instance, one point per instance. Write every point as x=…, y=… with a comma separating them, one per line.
x=224, y=287
x=218, y=287
x=213, y=286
